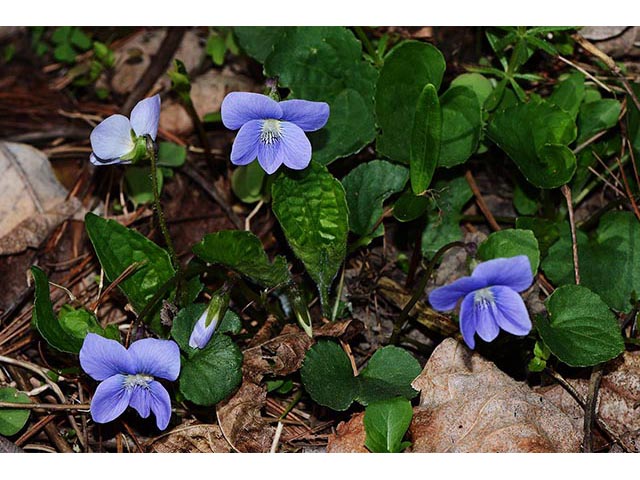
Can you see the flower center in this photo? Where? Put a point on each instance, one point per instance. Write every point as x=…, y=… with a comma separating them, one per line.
x=483, y=298
x=271, y=131
x=137, y=380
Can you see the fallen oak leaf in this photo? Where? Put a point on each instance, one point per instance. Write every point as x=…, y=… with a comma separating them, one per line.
x=468, y=405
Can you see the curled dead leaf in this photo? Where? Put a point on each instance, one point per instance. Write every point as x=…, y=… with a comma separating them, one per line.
x=468, y=405
x=349, y=437
x=33, y=201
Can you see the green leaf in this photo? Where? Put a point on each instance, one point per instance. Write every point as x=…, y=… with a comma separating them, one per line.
x=65, y=53
x=443, y=219
x=535, y=136
x=409, y=206
x=609, y=262
x=386, y=423
x=247, y=182
x=389, y=373
x=312, y=210
x=242, y=251
x=367, y=187
x=597, y=116
x=569, y=94
x=523, y=200
x=12, y=419
x=78, y=322
x=328, y=377
x=510, y=243
x=61, y=35
x=138, y=184
x=45, y=321
x=325, y=64
x=259, y=42
x=633, y=122
x=581, y=330
x=119, y=248
x=212, y=374
x=461, y=126
x=216, y=48
x=546, y=231
x=426, y=137
x=186, y=319
x=171, y=155
x=80, y=39
x=407, y=69
x=478, y=83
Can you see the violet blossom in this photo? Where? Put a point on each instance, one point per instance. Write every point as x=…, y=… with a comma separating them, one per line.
x=490, y=299
x=206, y=325
x=272, y=132
x=119, y=140
x=127, y=376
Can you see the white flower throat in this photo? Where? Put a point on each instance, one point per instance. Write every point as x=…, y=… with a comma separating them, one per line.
x=483, y=298
x=137, y=380
x=271, y=131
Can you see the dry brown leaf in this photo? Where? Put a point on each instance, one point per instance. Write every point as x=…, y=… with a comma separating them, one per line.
x=618, y=398
x=240, y=415
x=191, y=437
x=33, y=201
x=349, y=437
x=468, y=405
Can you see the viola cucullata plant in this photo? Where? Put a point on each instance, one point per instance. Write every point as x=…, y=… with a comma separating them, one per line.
x=315, y=225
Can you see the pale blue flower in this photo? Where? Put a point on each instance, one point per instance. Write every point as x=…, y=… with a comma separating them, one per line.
x=119, y=140
x=272, y=132
x=127, y=376
x=490, y=299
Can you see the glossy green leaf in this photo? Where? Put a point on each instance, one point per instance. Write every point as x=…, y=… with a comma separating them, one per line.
x=325, y=64
x=426, y=137
x=535, y=136
x=569, y=94
x=581, y=330
x=328, y=377
x=461, y=125
x=12, y=419
x=367, y=187
x=78, y=322
x=409, y=206
x=597, y=116
x=45, y=321
x=312, y=210
x=259, y=42
x=407, y=69
x=119, y=248
x=242, y=251
x=212, y=374
x=479, y=84
x=510, y=243
x=609, y=262
x=386, y=423
x=443, y=219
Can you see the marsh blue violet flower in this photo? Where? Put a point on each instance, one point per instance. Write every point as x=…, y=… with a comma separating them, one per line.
x=127, y=376
x=490, y=299
x=206, y=325
x=119, y=140
x=272, y=131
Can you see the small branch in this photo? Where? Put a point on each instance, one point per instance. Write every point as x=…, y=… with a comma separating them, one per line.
x=480, y=201
x=158, y=66
x=53, y=407
x=566, y=191
x=590, y=407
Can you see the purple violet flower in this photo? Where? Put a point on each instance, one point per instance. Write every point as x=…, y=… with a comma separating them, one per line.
x=119, y=140
x=490, y=299
x=272, y=131
x=206, y=325
x=127, y=376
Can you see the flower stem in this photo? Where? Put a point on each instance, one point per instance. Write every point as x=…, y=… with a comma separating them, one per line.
x=419, y=291
x=158, y=207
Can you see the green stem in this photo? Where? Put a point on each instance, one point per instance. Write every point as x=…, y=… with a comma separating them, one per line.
x=158, y=207
x=419, y=291
x=368, y=45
